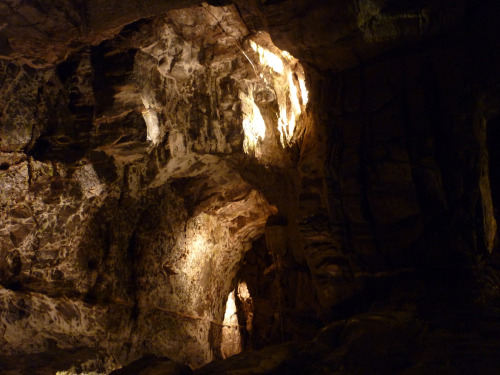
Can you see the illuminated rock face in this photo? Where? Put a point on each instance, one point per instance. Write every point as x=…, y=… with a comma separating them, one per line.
x=154, y=160
x=127, y=211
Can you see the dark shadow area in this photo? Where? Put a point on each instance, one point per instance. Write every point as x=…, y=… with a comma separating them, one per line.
x=493, y=144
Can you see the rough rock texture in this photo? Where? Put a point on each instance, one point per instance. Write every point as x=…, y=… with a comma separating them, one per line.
x=126, y=215
x=156, y=156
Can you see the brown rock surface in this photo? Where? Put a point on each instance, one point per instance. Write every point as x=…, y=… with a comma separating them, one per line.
x=156, y=155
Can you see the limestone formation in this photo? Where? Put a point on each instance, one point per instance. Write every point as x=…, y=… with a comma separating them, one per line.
x=313, y=183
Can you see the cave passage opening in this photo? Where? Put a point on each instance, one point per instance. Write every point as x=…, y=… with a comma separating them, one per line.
x=238, y=319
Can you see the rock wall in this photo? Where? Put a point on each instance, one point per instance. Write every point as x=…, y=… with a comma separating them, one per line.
x=124, y=198
x=392, y=185
x=151, y=162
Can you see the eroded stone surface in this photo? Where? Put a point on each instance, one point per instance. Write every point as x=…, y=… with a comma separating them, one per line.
x=125, y=203
x=134, y=186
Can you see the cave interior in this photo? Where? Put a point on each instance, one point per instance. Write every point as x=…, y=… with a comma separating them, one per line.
x=249, y=187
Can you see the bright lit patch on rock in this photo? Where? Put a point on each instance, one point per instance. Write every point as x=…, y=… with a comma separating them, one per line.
x=229, y=316
x=303, y=91
x=153, y=129
x=268, y=58
x=283, y=74
x=243, y=292
x=253, y=123
x=231, y=337
x=150, y=116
